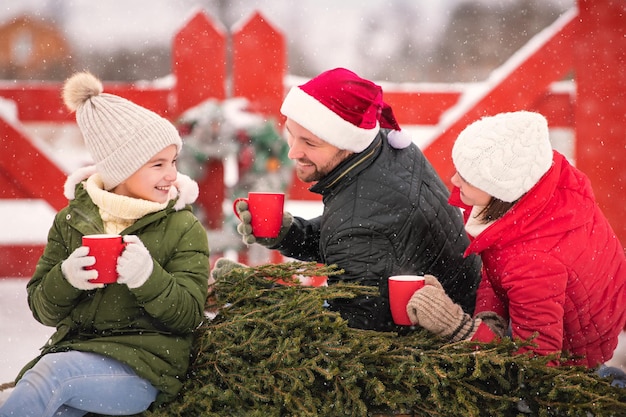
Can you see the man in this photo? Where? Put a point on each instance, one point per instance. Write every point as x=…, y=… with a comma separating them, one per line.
x=385, y=208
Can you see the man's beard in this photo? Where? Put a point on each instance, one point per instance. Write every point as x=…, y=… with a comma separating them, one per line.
x=322, y=171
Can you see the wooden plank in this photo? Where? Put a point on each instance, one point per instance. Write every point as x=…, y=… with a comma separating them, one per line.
x=600, y=147
x=259, y=65
x=198, y=63
x=420, y=107
x=38, y=101
x=423, y=107
x=27, y=172
x=558, y=108
x=19, y=260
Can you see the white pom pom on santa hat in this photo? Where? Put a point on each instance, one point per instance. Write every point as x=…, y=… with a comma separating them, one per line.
x=399, y=139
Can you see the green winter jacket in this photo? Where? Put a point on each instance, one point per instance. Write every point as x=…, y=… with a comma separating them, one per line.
x=150, y=328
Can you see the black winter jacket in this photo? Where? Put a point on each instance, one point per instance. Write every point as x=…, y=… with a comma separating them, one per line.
x=386, y=213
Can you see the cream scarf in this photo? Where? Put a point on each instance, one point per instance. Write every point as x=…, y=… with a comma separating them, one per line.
x=118, y=211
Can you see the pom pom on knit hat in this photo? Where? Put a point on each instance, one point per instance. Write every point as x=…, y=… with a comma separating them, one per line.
x=504, y=155
x=120, y=136
x=344, y=110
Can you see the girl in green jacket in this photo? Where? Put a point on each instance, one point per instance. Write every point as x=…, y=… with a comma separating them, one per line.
x=119, y=347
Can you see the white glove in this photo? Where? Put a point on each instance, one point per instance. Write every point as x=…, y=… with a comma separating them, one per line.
x=74, y=271
x=135, y=264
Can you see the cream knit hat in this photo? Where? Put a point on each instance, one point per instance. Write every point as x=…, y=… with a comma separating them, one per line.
x=120, y=135
x=504, y=155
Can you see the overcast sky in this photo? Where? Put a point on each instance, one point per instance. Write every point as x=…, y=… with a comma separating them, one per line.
x=107, y=23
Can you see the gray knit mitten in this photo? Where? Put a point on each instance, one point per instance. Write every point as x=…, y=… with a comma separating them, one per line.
x=431, y=308
x=245, y=228
x=222, y=268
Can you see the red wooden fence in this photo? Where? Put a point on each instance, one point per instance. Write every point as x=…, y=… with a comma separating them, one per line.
x=595, y=110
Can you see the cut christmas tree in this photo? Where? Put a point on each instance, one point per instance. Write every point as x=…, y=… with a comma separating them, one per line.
x=274, y=349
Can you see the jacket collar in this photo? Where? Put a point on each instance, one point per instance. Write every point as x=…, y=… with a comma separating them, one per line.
x=350, y=168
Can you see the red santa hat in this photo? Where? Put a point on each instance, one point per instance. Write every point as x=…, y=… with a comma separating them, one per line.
x=344, y=110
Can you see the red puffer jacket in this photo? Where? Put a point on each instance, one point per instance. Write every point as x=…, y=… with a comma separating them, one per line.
x=553, y=265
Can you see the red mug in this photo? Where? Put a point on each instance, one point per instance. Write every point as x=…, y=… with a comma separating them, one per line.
x=106, y=249
x=401, y=289
x=266, y=210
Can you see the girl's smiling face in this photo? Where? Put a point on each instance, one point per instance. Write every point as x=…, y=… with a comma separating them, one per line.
x=154, y=179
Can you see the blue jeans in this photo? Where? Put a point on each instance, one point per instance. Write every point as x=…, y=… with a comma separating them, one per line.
x=618, y=376
x=74, y=383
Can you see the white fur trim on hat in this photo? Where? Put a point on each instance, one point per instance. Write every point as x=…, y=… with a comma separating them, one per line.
x=324, y=123
x=504, y=155
x=188, y=191
x=78, y=176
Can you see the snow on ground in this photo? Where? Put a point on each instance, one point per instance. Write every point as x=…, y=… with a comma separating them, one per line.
x=21, y=335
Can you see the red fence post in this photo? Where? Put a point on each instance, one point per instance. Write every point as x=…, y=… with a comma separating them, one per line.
x=199, y=64
x=600, y=50
x=259, y=65
x=259, y=69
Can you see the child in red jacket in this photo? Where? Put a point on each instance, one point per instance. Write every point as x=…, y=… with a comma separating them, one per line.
x=552, y=265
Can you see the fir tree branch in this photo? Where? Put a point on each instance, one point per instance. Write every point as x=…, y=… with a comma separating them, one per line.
x=274, y=349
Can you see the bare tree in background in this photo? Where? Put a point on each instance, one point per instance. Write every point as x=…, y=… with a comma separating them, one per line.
x=480, y=37
x=397, y=57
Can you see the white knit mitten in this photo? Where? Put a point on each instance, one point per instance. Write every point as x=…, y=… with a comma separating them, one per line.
x=135, y=264
x=74, y=271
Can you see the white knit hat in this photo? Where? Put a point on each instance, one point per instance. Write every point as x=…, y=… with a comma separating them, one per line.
x=121, y=136
x=504, y=155
x=344, y=110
